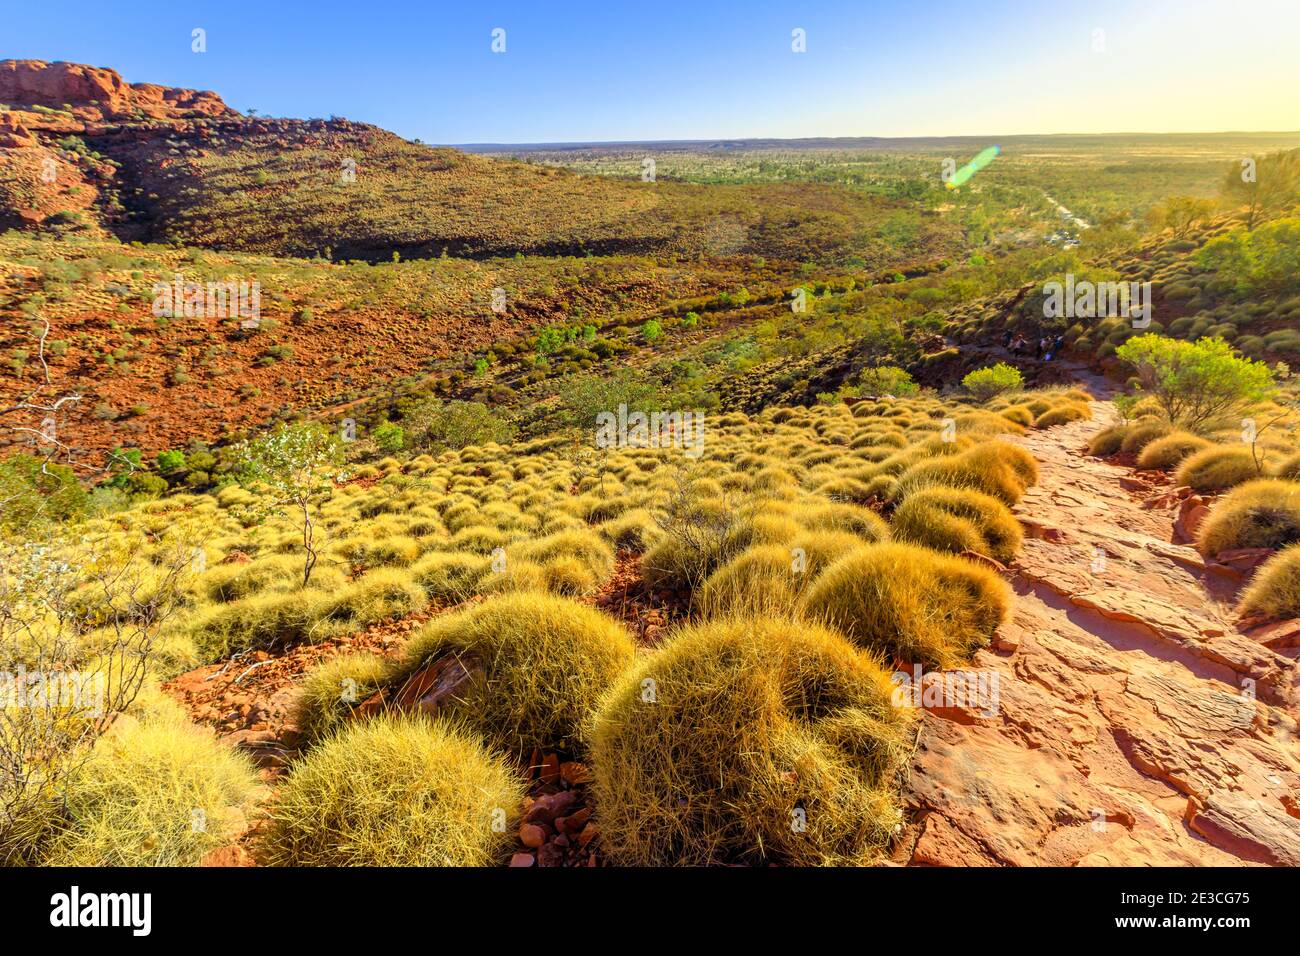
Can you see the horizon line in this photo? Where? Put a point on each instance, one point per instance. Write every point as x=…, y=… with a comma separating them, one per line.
x=574, y=144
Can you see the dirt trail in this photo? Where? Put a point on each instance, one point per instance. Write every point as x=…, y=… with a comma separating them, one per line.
x=1134, y=724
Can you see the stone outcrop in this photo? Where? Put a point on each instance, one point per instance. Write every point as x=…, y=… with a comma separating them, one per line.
x=95, y=93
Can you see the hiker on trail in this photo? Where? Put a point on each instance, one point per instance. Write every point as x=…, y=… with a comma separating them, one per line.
x=1040, y=348
x=1006, y=339
x=1058, y=344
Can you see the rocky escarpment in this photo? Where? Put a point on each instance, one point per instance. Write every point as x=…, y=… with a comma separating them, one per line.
x=93, y=93
x=48, y=175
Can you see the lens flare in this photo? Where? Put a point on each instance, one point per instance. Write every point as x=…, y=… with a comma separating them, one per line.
x=974, y=166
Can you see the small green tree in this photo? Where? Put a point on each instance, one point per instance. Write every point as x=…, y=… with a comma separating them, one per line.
x=1263, y=187
x=1181, y=215
x=35, y=491
x=887, y=380
x=457, y=424
x=298, y=466
x=389, y=437
x=1196, y=382
x=169, y=461
x=583, y=397
x=1263, y=260
x=984, y=383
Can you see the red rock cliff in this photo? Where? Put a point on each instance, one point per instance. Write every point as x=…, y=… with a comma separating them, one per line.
x=92, y=90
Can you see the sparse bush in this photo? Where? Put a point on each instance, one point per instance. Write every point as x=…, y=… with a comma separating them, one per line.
x=455, y=425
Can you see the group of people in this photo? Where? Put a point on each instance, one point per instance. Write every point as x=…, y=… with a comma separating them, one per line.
x=1043, y=349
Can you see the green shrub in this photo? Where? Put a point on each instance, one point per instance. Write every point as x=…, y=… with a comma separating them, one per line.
x=985, y=383
x=887, y=380
x=1196, y=382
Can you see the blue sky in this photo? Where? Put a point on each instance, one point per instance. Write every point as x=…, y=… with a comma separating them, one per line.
x=664, y=69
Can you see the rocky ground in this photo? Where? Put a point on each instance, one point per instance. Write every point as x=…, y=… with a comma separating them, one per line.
x=1136, y=724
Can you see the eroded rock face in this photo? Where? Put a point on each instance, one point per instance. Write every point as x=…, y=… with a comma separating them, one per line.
x=1135, y=723
x=97, y=93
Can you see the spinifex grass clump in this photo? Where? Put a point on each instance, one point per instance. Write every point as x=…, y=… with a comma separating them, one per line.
x=995, y=468
x=1258, y=514
x=394, y=791
x=331, y=690
x=1140, y=434
x=1274, y=592
x=1063, y=413
x=1169, y=451
x=751, y=740
x=1108, y=441
x=769, y=578
x=232, y=582
x=956, y=520
x=537, y=664
x=1217, y=468
x=910, y=603
x=451, y=576
x=154, y=792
